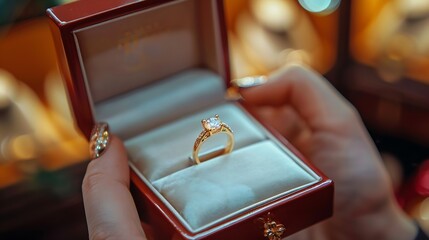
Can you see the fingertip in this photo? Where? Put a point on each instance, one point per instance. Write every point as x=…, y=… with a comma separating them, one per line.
x=113, y=162
x=275, y=90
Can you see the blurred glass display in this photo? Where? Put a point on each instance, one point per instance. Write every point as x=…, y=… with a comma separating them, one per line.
x=37, y=133
x=267, y=34
x=393, y=37
x=389, y=39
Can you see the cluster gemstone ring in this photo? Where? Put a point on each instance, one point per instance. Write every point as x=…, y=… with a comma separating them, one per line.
x=99, y=140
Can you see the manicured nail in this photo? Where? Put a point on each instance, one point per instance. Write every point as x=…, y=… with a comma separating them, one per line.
x=249, y=81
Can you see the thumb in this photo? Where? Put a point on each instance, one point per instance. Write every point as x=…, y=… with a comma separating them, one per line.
x=109, y=206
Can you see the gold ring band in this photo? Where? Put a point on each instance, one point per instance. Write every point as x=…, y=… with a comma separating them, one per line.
x=99, y=140
x=212, y=126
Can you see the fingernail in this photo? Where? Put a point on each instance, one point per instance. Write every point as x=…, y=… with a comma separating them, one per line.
x=250, y=81
x=99, y=140
x=234, y=92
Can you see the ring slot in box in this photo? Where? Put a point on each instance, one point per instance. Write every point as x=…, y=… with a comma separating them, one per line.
x=164, y=154
x=153, y=69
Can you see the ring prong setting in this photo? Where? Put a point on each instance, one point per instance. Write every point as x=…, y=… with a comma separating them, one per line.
x=211, y=126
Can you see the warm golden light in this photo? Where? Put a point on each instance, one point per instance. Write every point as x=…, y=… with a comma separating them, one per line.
x=7, y=88
x=415, y=8
x=392, y=37
x=23, y=147
x=278, y=15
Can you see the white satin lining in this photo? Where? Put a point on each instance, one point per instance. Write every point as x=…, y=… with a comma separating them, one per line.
x=165, y=101
x=258, y=170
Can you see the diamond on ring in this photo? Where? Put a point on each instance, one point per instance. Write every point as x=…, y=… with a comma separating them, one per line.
x=211, y=126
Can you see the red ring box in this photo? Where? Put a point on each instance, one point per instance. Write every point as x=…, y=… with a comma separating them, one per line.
x=153, y=70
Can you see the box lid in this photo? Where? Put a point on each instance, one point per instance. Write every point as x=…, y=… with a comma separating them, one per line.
x=107, y=48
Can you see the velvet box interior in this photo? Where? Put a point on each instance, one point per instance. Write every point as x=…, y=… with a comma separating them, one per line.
x=153, y=70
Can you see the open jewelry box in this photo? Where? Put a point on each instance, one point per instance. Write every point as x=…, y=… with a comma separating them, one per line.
x=153, y=70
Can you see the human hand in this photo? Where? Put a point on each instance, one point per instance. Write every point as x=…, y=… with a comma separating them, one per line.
x=330, y=134
x=109, y=207
x=316, y=119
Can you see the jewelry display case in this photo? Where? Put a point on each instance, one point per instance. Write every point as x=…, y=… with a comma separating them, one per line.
x=265, y=35
x=152, y=70
x=385, y=76
x=388, y=77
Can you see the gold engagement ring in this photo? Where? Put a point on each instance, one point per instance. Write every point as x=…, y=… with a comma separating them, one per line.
x=212, y=126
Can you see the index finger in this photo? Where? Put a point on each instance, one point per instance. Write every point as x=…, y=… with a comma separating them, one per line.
x=308, y=93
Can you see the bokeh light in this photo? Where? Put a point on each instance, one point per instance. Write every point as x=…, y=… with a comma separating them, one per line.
x=320, y=6
x=23, y=147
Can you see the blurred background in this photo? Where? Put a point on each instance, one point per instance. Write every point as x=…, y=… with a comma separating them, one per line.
x=375, y=52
